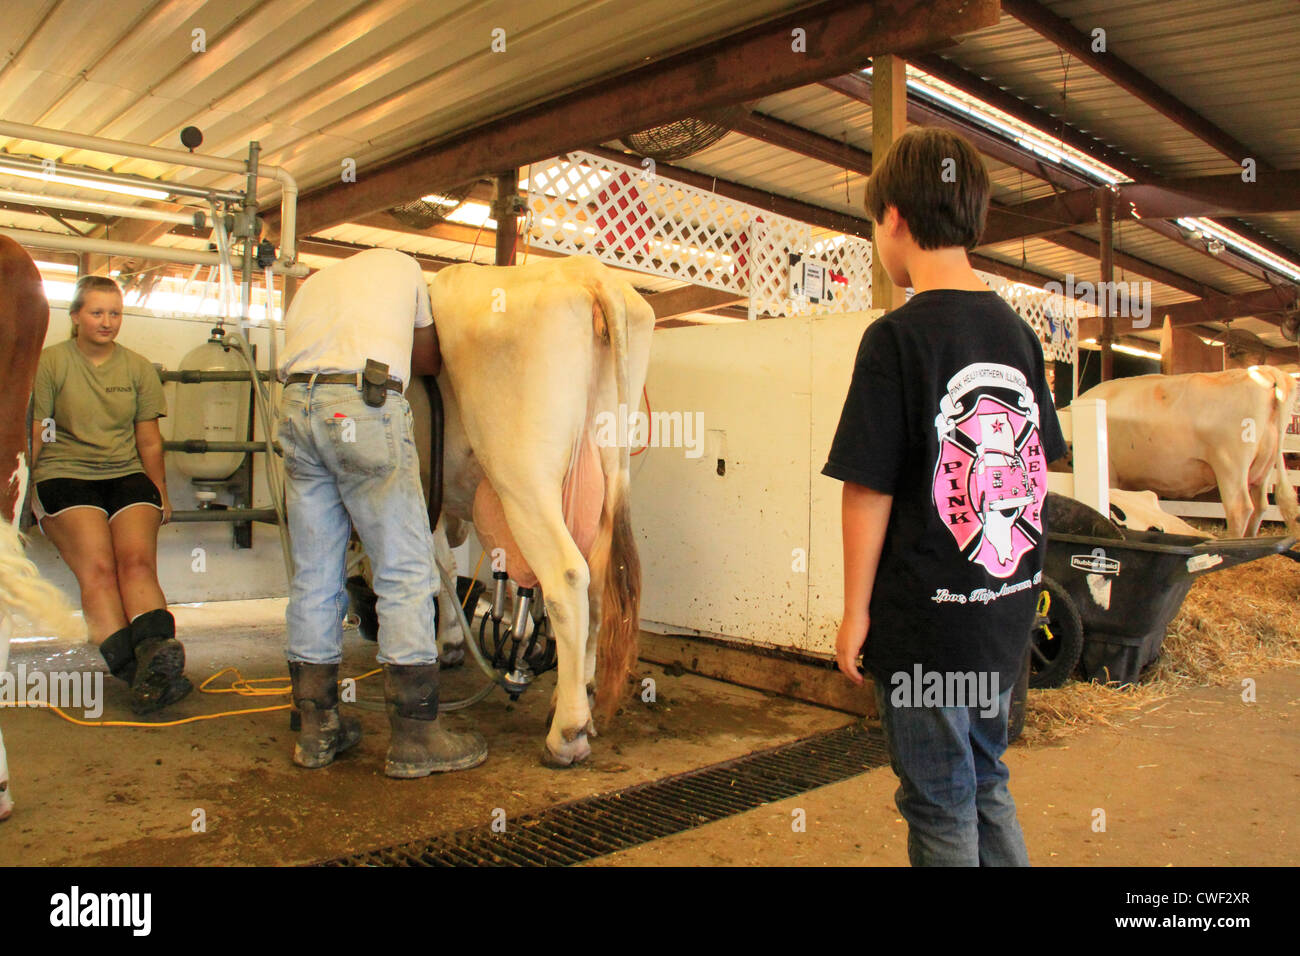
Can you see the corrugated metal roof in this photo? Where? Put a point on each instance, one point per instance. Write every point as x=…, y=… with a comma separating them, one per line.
x=319, y=80
x=1232, y=62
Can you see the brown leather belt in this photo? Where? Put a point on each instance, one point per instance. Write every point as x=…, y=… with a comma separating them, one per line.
x=339, y=378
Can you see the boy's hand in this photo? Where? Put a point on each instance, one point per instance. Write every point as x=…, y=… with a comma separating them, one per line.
x=848, y=645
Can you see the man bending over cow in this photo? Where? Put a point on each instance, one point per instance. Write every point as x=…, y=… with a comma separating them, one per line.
x=354, y=334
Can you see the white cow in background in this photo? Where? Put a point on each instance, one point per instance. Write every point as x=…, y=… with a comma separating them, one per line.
x=533, y=357
x=1183, y=435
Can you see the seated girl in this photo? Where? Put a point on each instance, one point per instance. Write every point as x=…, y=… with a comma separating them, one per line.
x=101, y=494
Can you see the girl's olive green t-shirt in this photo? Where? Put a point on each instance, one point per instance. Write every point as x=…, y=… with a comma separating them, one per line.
x=94, y=410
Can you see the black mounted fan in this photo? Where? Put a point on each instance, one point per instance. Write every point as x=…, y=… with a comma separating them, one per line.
x=684, y=137
x=427, y=212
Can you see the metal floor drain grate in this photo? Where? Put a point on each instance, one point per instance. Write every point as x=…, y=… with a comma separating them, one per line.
x=580, y=830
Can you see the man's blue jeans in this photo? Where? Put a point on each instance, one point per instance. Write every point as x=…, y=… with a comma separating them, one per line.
x=952, y=783
x=348, y=465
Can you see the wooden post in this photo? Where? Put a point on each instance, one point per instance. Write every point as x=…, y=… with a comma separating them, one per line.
x=888, y=120
x=1106, y=219
x=503, y=211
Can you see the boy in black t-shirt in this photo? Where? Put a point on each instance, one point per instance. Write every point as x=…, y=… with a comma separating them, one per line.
x=943, y=448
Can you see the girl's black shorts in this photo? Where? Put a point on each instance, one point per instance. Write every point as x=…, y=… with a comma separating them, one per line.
x=110, y=495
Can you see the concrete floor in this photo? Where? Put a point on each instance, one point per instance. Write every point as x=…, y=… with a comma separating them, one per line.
x=1207, y=780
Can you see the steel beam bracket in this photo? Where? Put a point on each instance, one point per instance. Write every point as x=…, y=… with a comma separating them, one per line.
x=508, y=206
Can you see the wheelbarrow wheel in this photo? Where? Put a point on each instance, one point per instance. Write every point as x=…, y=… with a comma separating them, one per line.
x=1056, y=639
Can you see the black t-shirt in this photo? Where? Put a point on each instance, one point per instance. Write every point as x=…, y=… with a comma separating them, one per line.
x=949, y=412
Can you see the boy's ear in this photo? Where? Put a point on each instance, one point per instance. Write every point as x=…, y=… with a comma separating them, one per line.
x=891, y=221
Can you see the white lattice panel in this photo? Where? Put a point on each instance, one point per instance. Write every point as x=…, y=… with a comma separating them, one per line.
x=631, y=218
x=1049, y=314
x=627, y=217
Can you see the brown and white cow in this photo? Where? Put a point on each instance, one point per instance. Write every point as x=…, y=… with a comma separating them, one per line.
x=1184, y=435
x=24, y=316
x=533, y=357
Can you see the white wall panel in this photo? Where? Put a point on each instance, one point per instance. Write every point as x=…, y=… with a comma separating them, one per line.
x=719, y=552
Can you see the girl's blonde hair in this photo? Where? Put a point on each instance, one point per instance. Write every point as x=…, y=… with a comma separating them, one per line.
x=89, y=284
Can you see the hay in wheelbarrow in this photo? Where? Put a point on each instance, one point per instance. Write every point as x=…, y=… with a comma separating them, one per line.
x=1233, y=624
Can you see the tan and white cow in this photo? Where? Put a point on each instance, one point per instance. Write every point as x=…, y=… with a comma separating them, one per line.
x=533, y=357
x=24, y=316
x=1184, y=435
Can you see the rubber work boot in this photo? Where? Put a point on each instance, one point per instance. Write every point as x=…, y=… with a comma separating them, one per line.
x=119, y=654
x=324, y=731
x=159, y=679
x=419, y=745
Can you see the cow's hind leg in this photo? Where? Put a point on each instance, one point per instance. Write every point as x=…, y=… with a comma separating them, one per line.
x=537, y=523
x=451, y=640
x=1236, y=497
x=1259, y=504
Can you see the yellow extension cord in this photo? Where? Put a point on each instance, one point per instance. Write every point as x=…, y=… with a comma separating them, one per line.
x=242, y=686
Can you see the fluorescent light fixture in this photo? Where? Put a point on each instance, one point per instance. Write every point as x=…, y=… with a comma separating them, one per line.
x=1127, y=349
x=55, y=266
x=63, y=180
x=1042, y=144
x=1130, y=350
x=1029, y=137
x=1241, y=244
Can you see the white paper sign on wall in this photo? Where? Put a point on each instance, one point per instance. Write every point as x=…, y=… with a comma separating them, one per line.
x=809, y=280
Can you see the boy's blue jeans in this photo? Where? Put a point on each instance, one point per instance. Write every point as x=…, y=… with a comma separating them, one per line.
x=348, y=465
x=952, y=783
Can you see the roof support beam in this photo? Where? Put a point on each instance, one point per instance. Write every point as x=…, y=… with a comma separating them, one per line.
x=1252, y=303
x=996, y=147
x=338, y=249
x=1198, y=196
x=688, y=299
x=840, y=36
x=1004, y=222
x=1079, y=45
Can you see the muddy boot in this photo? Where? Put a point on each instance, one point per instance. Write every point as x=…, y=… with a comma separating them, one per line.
x=419, y=745
x=119, y=654
x=324, y=731
x=159, y=678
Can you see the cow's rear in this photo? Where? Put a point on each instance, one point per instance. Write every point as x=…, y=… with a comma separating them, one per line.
x=532, y=355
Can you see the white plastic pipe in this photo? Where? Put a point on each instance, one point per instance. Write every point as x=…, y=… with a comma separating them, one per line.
x=111, y=208
x=176, y=157
x=138, y=250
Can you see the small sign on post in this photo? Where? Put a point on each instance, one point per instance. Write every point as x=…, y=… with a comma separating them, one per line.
x=809, y=280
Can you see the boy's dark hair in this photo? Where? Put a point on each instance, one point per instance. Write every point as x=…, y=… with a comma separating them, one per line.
x=938, y=185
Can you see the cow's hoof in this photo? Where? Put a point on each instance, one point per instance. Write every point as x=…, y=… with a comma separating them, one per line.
x=451, y=655
x=568, y=753
x=6, y=805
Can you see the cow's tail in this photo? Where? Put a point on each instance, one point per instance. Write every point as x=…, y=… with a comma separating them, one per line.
x=25, y=595
x=1283, y=492
x=614, y=554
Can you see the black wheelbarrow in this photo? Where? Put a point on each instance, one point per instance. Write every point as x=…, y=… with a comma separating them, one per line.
x=1108, y=594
